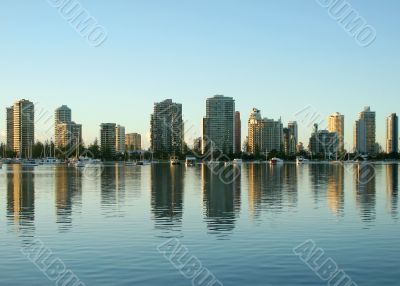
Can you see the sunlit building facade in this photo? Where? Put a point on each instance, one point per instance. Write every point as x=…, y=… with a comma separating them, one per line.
x=392, y=134
x=365, y=132
x=264, y=135
x=67, y=133
x=133, y=142
x=336, y=124
x=120, y=139
x=21, y=128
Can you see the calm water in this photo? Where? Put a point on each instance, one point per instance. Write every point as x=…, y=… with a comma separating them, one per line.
x=106, y=228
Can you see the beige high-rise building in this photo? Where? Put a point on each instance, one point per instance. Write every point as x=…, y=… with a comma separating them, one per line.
x=21, y=128
x=133, y=142
x=336, y=124
x=67, y=133
x=255, y=126
x=264, y=135
x=365, y=132
x=120, y=139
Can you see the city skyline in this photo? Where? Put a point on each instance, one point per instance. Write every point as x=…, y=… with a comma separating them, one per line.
x=311, y=116
x=309, y=60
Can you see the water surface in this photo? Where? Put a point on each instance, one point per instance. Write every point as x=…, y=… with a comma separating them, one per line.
x=106, y=226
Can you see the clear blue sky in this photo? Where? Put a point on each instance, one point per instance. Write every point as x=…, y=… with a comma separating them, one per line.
x=278, y=56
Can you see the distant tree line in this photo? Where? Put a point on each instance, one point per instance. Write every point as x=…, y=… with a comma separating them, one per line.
x=41, y=150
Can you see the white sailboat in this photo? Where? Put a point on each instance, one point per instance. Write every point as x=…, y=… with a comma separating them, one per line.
x=84, y=161
x=29, y=162
x=49, y=160
x=142, y=161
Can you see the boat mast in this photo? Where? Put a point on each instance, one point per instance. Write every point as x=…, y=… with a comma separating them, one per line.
x=77, y=148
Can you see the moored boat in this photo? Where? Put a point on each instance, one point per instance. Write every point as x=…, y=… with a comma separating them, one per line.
x=190, y=161
x=86, y=162
x=276, y=161
x=49, y=161
x=29, y=163
x=301, y=160
x=174, y=160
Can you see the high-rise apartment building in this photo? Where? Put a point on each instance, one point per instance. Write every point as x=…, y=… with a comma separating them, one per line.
x=300, y=147
x=21, y=128
x=286, y=140
x=264, y=135
x=360, y=142
x=108, y=139
x=167, y=128
x=10, y=128
x=120, y=139
x=289, y=142
x=365, y=132
x=68, y=134
x=255, y=132
x=293, y=138
x=392, y=134
x=197, y=145
x=273, y=132
x=133, y=142
x=62, y=114
x=219, y=125
x=323, y=142
x=336, y=124
x=294, y=131
x=238, y=132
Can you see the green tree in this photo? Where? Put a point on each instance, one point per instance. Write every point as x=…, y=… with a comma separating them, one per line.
x=94, y=149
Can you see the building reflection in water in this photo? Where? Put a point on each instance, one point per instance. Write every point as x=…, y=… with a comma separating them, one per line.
x=133, y=182
x=392, y=183
x=365, y=186
x=256, y=180
x=335, y=194
x=290, y=185
x=221, y=198
x=21, y=199
x=167, y=184
x=68, y=188
x=113, y=189
x=319, y=183
x=271, y=188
